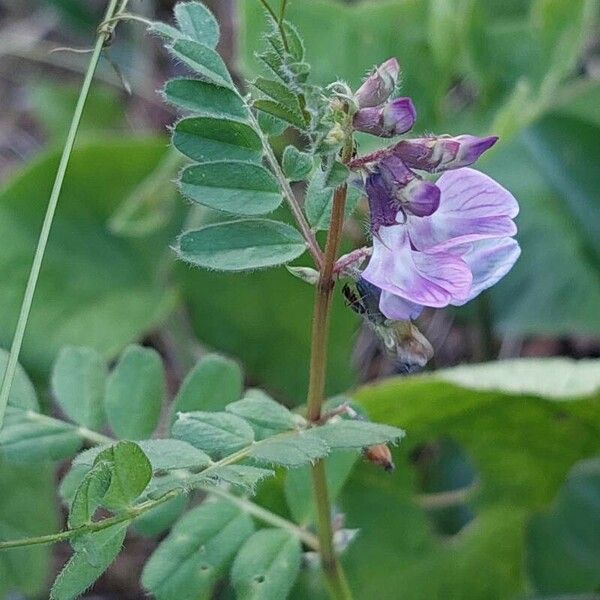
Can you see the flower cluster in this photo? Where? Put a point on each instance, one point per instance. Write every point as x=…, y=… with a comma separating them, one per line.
x=434, y=243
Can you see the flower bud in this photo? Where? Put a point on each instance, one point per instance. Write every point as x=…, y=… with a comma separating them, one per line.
x=378, y=86
x=379, y=455
x=416, y=196
x=394, y=118
x=442, y=153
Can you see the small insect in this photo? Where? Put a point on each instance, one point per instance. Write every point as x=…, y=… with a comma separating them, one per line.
x=403, y=341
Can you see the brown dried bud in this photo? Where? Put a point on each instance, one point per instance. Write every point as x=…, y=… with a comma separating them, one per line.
x=380, y=455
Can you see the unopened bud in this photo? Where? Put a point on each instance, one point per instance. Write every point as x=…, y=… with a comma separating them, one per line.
x=394, y=118
x=380, y=455
x=442, y=153
x=306, y=274
x=378, y=86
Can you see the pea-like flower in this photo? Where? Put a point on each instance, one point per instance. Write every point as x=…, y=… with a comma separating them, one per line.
x=437, y=248
x=379, y=85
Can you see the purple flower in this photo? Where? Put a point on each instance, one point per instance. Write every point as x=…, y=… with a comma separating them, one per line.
x=443, y=256
x=378, y=86
x=393, y=118
x=443, y=152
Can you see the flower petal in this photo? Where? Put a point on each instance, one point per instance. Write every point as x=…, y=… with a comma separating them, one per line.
x=489, y=261
x=472, y=207
x=423, y=278
x=398, y=309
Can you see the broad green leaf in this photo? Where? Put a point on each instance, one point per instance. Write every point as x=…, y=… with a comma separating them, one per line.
x=134, y=393
x=266, y=566
x=348, y=433
x=241, y=245
x=522, y=447
x=213, y=383
x=95, y=289
x=296, y=165
x=22, y=393
x=232, y=186
x=558, y=261
x=161, y=517
x=204, y=60
x=217, y=433
x=205, y=99
x=298, y=485
x=197, y=22
x=27, y=509
x=29, y=437
x=130, y=473
x=83, y=568
x=277, y=359
x=207, y=139
x=291, y=450
x=90, y=494
x=318, y=201
x=563, y=544
x=563, y=147
x=546, y=377
x=151, y=204
x=78, y=384
x=243, y=477
x=260, y=410
x=336, y=174
x=195, y=555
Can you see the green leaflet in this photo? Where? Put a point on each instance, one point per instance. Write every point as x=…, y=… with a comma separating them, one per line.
x=217, y=433
x=260, y=410
x=209, y=139
x=232, y=186
x=241, y=245
x=204, y=60
x=78, y=384
x=295, y=164
x=266, y=566
x=135, y=392
x=197, y=22
x=214, y=382
x=189, y=562
x=205, y=99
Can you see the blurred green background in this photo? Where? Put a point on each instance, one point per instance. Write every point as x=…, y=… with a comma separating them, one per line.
x=528, y=71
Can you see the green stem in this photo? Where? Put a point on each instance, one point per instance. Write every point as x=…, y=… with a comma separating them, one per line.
x=332, y=569
x=103, y=34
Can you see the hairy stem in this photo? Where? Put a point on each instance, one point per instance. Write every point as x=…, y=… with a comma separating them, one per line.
x=332, y=568
x=292, y=201
x=104, y=33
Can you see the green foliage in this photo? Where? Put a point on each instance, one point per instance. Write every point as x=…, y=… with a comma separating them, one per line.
x=319, y=200
x=86, y=565
x=539, y=439
x=266, y=565
x=233, y=186
x=241, y=245
x=213, y=383
x=564, y=543
x=134, y=393
x=207, y=139
x=78, y=384
x=263, y=412
x=130, y=472
x=26, y=509
x=195, y=21
x=204, y=61
x=206, y=99
x=95, y=289
x=217, y=433
x=295, y=164
x=201, y=546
